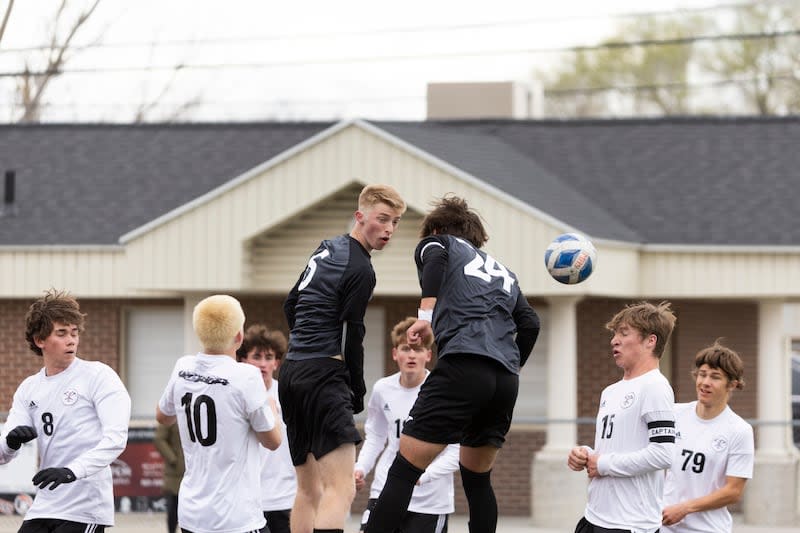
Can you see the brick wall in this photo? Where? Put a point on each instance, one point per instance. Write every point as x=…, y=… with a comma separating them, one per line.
x=100, y=340
x=699, y=324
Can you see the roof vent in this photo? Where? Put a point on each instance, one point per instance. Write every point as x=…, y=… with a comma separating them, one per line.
x=8, y=196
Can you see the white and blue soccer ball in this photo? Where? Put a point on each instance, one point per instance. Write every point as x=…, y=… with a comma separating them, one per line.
x=570, y=258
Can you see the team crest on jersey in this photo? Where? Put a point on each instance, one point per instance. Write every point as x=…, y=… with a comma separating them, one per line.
x=719, y=443
x=628, y=400
x=70, y=397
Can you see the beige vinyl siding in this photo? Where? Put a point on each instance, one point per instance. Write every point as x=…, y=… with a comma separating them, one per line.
x=721, y=274
x=25, y=272
x=274, y=260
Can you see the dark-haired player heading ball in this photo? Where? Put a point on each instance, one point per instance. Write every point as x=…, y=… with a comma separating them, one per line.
x=485, y=330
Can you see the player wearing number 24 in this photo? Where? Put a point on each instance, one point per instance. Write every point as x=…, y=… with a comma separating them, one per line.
x=79, y=411
x=485, y=330
x=223, y=412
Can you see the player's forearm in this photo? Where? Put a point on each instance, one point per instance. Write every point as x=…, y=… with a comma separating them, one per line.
x=271, y=439
x=726, y=495
x=655, y=456
x=114, y=440
x=374, y=444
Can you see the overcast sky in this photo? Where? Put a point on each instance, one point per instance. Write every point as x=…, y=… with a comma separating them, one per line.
x=302, y=60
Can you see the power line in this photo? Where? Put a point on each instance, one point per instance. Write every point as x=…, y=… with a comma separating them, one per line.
x=557, y=93
x=393, y=30
x=677, y=41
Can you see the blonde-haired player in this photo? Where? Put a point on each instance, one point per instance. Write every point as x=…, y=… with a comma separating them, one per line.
x=322, y=379
x=389, y=404
x=223, y=413
x=714, y=448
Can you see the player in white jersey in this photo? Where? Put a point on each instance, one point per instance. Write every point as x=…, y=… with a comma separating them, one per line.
x=714, y=449
x=265, y=349
x=223, y=413
x=635, y=431
x=80, y=412
x=391, y=400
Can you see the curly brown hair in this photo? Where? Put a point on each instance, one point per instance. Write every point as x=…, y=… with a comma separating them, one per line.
x=452, y=216
x=54, y=306
x=261, y=337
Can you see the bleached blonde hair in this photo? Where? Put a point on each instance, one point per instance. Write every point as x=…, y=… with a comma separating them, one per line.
x=216, y=320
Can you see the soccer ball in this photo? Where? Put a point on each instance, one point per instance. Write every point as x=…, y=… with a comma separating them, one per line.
x=570, y=258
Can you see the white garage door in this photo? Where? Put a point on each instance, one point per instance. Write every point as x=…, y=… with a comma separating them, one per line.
x=154, y=343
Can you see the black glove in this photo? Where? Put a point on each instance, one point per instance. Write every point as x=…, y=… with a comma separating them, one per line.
x=56, y=476
x=19, y=436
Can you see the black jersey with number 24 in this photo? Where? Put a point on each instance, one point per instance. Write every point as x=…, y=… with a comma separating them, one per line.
x=476, y=302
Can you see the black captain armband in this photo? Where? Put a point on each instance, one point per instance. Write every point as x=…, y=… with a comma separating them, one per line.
x=661, y=431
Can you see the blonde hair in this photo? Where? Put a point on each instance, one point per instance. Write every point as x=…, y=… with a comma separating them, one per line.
x=398, y=334
x=217, y=320
x=372, y=195
x=647, y=319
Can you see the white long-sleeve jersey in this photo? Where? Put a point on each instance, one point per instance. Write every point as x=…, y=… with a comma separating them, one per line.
x=81, y=416
x=388, y=407
x=278, y=478
x=635, y=437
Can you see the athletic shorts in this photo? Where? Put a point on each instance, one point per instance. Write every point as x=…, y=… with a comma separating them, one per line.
x=468, y=399
x=317, y=407
x=412, y=522
x=584, y=526
x=277, y=521
x=55, y=525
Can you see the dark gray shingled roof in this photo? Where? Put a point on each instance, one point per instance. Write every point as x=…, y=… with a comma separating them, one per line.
x=91, y=184
x=721, y=181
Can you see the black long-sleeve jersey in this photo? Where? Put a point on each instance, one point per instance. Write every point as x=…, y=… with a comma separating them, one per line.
x=325, y=309
x=480, y=308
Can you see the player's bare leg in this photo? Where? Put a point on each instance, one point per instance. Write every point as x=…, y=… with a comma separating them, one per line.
x=338, y=487
x=306, y=501
x=418, y=452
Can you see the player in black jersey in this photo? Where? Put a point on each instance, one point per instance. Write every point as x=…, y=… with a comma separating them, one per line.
x=322, y=378
x=485, y=330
